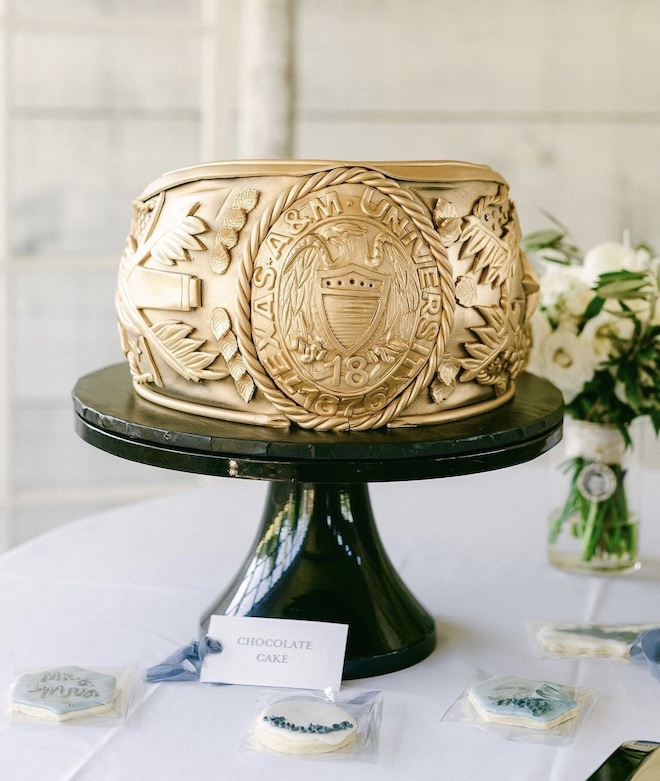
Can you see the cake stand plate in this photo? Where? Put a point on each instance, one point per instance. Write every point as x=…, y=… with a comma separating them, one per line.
x=318, y=555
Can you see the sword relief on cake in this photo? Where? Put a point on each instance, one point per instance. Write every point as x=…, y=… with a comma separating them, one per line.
x=349, y=303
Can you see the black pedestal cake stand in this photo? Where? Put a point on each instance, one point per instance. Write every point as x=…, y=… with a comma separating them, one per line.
x=318, y=555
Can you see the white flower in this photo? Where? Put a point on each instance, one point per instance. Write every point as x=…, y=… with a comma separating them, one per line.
x=612, y=256
x=654, y=279
x=565, y=358
x=642, y=260
x=600, y=330
x=563, y=290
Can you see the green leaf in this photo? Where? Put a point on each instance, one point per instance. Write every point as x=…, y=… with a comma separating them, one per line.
x=553, y=256
x=625, y=373
x=634, y=395
x=622, y=274
x=623, y=284
x=543, y=238
x=552, y=244
x=654, y=414
x=594, y=307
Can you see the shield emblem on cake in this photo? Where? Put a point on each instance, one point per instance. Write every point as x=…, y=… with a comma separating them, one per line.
x=351, y=301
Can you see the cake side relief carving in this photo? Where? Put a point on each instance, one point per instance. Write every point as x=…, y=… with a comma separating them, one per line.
x=345, y=300
x=338, y=299
x=228, y=343
x=486, y=239
x=466, y=291
x=445, y=382
x=145, y=287
x=497, y=293
x=447, y=221
x=145, y=215
x=182, y=351
x=486, y=364
x=227, y=237
x=177, y=243
x=137, y=352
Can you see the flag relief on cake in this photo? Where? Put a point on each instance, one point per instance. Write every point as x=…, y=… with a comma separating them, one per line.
x=332, y=296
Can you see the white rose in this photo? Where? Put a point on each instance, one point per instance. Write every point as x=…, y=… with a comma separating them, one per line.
x=566, y=359
x=612, y=256
x=600, y=330
x=642, y=260
x=564, y=288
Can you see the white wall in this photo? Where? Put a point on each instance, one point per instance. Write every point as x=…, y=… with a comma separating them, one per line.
x=101, y=96
x=561, y=97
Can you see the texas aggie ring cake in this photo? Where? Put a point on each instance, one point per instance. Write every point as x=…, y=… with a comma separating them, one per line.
x=332, y=296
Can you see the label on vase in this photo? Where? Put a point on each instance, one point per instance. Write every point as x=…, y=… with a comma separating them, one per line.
x=276, y=652
x=596, y=482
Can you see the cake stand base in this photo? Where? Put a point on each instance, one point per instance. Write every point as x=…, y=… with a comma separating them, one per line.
x=318, y=556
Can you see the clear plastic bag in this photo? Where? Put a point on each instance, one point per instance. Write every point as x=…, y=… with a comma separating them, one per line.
x=326, y=725
x=529, y=702
x=68, y=695
x=605, y=641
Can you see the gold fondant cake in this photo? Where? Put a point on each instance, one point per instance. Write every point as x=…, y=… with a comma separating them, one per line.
x=333, y=296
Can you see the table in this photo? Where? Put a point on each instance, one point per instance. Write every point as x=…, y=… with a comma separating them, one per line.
x=325, y=561
x=126, y=587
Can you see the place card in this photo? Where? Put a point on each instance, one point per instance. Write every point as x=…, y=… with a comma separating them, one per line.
x=276, y=652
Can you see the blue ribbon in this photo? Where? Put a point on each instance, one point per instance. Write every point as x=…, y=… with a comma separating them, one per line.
x=647, y=647
x=184, y=664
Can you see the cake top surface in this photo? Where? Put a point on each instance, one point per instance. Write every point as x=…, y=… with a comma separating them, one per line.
x=414, y=170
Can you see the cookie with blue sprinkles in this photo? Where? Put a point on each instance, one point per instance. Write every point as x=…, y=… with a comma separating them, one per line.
x=522, y=703
x=304, y=727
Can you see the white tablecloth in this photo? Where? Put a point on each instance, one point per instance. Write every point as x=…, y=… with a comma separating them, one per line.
x=126, y=587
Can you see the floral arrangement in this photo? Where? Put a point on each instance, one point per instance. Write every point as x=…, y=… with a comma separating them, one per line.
x=596, y=336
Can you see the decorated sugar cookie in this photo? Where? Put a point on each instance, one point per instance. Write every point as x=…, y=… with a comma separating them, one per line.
x=63, y=693
x=590, y=639
x=304, y=727
x=522, y=703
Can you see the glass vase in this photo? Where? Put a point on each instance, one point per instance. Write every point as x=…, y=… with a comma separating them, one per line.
x=594, y=530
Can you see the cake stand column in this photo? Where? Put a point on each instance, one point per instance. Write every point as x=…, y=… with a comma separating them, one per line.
x=318, y=556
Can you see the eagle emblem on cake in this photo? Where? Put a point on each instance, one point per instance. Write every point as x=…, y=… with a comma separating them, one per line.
x=356, y=284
